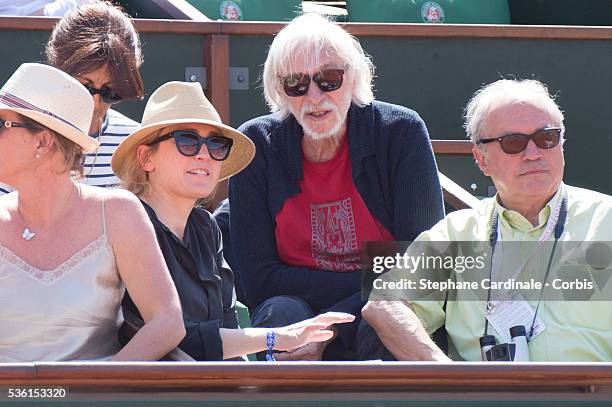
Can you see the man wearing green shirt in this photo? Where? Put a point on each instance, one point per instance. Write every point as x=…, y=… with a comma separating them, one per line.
x=517, y=130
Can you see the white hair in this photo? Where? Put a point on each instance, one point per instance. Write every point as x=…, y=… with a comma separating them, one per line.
x=504, y=92
x=309, y=37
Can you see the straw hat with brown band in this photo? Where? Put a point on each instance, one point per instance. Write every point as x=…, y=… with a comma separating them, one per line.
x=183, y=103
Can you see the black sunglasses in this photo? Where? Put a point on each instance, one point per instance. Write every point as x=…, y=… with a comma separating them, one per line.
x=545, y=138
x=189, y=143
x=327, y=80
x=8, y=124
x=108, y=95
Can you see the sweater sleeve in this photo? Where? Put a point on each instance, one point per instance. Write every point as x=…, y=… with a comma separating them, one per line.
x=255, y=250
x=418, y=203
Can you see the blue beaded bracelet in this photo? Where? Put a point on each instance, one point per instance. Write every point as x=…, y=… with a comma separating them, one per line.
x=270, y=337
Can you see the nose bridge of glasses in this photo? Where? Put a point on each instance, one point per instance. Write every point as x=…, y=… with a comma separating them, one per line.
x=314, y=89
x=202, y=147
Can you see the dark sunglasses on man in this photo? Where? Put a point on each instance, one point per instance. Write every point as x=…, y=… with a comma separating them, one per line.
x=515, y=143
x=108, y=95
x=327, y=80
x=189, y=143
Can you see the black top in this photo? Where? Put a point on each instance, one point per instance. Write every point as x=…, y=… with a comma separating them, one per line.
x=203, y=280
x=222, y=216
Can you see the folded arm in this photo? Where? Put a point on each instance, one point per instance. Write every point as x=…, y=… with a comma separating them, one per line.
x=401, y=331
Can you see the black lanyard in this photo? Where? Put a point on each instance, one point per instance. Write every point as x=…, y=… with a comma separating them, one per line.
x=559, y=226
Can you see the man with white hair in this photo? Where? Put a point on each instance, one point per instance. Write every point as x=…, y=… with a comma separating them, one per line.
x=517, y=130
x=333, y=169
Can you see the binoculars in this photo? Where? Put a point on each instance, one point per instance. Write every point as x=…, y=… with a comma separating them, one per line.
x=516, y=350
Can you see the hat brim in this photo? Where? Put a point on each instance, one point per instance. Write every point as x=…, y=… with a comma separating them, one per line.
x=241, y=154
x=89, y=144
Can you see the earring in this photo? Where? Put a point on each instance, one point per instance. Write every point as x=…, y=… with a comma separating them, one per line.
x=37, y=155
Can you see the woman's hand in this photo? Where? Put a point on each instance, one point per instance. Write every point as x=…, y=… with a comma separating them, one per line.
x=310, y=330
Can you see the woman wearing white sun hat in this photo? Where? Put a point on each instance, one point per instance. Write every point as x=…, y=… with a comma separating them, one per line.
x=178, y=155
x=64, y=265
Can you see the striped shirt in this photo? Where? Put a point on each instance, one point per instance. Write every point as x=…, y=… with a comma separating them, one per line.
x=97, y=166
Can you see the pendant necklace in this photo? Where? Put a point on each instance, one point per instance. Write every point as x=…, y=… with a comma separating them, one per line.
x=27, y=234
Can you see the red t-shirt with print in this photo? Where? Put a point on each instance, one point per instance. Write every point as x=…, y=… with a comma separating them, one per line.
x=325, y=225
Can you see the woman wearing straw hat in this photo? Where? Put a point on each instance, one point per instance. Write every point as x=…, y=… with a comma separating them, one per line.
x=64, y=265
x=98, y=45
x=177, y=157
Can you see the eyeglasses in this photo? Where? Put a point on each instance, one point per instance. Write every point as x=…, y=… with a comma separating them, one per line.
x=189, y=143
x=108, y=95
x=8, y=124
x=545, y=138
x=327, y=80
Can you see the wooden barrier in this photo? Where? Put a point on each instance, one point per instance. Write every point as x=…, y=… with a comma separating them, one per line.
x=329, y=376
x=315, y=383
x=452, y=147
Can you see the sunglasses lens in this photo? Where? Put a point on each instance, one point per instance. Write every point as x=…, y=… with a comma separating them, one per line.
x=547, y=138
x=296, y=85
x=514, y=143
x=187, y=143
x=218, y=147
x=329, y=79
x=110, y=97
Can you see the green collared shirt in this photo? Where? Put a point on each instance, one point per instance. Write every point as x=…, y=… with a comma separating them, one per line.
x=575, y=330
x=515, y=226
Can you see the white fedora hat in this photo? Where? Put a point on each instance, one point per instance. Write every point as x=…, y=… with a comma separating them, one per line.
x=183, y=103
x=52, y=98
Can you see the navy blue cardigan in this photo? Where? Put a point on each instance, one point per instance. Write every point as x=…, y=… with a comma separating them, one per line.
x=393, y=168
